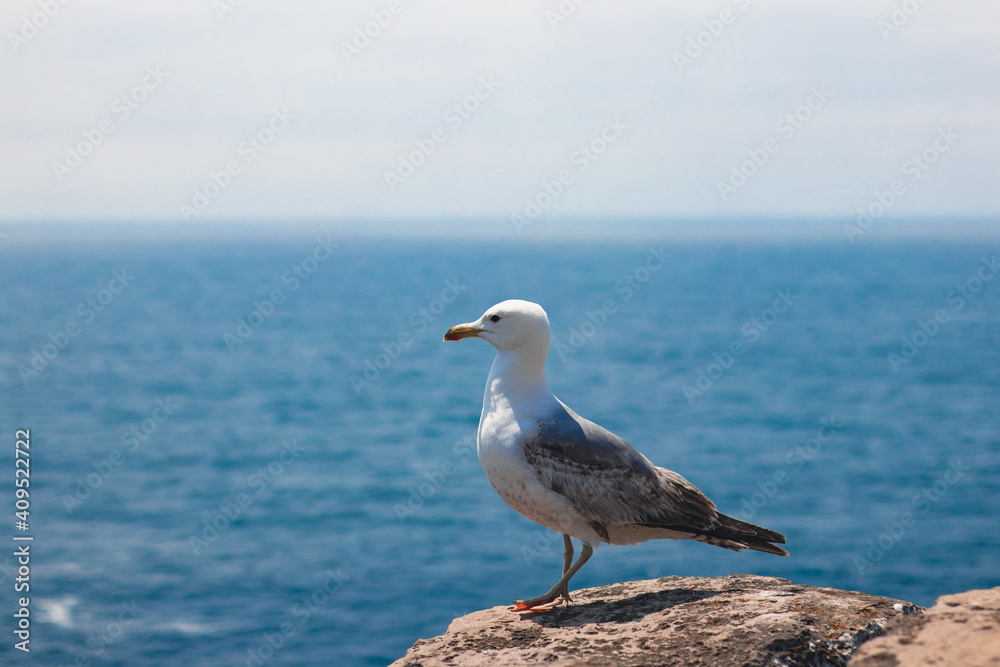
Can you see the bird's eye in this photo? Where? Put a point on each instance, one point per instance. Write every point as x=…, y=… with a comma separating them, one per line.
x=494, y=318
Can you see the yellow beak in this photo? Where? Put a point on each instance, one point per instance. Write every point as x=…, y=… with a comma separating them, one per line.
x=461, y=331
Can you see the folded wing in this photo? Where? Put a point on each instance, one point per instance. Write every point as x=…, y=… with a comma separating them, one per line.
x=621, y=493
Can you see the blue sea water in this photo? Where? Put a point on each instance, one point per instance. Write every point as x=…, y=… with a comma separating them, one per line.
x=300, y=489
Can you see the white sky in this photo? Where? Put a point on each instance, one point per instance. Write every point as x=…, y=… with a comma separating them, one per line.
x=556, y=89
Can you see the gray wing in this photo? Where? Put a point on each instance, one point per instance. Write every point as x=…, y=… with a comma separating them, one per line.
x=610, y=482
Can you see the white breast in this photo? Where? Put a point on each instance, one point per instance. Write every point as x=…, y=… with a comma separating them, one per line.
x=501, y=440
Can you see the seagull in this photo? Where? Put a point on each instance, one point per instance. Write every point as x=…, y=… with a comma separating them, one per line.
x=567, y=473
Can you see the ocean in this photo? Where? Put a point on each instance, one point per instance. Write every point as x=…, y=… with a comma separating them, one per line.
x=260, y=451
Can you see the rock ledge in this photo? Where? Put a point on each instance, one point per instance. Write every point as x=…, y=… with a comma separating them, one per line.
x=962, y=629
x=739, y=619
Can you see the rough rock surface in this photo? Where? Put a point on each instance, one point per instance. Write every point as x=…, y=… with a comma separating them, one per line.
x=739, y=619
x=961, y=630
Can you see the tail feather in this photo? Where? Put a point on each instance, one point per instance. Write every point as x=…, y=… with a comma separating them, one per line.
x=748, y=535
x=732, y=534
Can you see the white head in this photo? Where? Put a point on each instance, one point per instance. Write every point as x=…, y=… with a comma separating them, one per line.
x=508, y=326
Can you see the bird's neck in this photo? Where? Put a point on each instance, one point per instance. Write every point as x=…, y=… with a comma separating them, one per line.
x=518, y=376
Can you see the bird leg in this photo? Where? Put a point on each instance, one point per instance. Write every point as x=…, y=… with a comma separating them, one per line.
x=558, y=593
x=567, y=552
